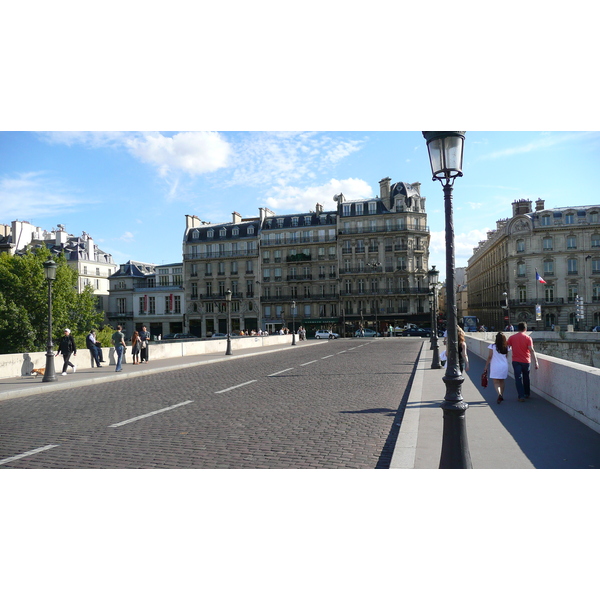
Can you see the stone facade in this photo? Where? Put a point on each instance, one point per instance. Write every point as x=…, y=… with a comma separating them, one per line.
x=562, y=245
x=147, y=294
x=366, y=262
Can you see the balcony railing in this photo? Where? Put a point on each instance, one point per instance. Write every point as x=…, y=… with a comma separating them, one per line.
x=534, y=301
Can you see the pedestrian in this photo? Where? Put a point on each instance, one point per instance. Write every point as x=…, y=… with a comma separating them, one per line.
x=522, y=349
x=145, y=341
x=118, y=339
x=90, y=342
x=463, y=357
x=136, y=346
x=66, y=347
x=497, y=364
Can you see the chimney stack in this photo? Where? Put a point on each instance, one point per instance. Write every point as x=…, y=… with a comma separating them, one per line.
x=539, y=204
x=384, y=188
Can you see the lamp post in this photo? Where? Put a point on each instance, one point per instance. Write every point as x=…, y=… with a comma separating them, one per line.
x=507, y=309
x=433, y=281
x=446, y=155
x=50, y=274
x=293, y=323
x=228, y=301
x=373, y=265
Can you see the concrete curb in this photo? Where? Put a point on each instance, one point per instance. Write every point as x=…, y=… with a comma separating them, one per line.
x=405, y=449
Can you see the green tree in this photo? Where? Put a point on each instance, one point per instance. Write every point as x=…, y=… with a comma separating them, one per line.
x=24, y=292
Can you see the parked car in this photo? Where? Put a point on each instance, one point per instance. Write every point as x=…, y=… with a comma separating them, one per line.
x=323, y=334
x=218, y=335
x=187, y=336
x=597, y=328
x=365, y=333
x=416, y=332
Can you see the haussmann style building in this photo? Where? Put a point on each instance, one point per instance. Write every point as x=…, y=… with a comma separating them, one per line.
x=364, y=263
x=561, y=245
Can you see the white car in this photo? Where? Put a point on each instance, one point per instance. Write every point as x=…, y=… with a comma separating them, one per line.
x=323, y=334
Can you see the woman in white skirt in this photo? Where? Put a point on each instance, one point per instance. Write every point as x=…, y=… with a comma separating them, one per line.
x=497, y=363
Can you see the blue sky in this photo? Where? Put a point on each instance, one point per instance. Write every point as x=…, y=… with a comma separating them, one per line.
x=131, y=191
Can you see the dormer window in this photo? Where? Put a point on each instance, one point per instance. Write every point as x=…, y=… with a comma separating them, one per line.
x=359, y=208
x=235, y=231
x=223, y=232
x=210, y=233
x=294, y=221
x=372, y=208
x=250, y=230
x=279, y=222
x=569, y=218
x=195, y=234
x=307, y=220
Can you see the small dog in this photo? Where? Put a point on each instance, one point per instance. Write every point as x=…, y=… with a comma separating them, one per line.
x=36, y=372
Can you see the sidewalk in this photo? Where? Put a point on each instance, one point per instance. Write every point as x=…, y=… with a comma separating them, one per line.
x=513, y=435
x=25, y=386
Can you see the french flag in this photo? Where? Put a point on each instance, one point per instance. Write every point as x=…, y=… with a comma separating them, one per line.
x=538, y=278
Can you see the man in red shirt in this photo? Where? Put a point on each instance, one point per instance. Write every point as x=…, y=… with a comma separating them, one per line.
x=522, y=349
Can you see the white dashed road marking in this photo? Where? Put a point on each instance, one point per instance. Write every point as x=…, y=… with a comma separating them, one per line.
x=235, y=386
x=7, y=460
x=151, y=413
x=280, y=372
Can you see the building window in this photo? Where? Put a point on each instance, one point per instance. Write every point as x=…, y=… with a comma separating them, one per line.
x=249, y=267
x=234, y=267
x=372, y=208
x=235, y=231
x=571, y=242
x=151, y=305
x=546, y=221
x=195, y=234
x=522, y=293
x=569, y=218
x=595, y=265
x=294, y=221
x=250, y=230
x=547, y=243
x=346, y=210
x=595, y=240
x=194, y=290
x=307, y=310
x=593, y=217
x=142, y=306
x=520, y=245
x=122, y=305
x=572, y=266
x=359, y=208
x=210, y=233
x=549, y=293
x=521, y=271
x=549, y=267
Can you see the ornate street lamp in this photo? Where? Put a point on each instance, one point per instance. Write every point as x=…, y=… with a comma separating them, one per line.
x=50, y=274
x=374, y=265
x=433, y=274
x=228, y=301
x=446, y=156
x=293, y=323
x=507, y=309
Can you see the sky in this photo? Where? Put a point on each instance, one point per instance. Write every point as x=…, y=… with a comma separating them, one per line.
x=131, y=190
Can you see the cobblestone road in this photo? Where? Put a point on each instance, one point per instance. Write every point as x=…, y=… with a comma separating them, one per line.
x=331, y=405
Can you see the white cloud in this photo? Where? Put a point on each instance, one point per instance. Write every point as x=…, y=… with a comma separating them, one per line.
x=193, y=153
x=285, y=157
x=463, y=243
x=297, y=199
x=127, y=237
x=34, y=195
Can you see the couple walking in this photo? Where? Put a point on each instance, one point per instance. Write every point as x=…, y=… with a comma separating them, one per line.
x=497, y=362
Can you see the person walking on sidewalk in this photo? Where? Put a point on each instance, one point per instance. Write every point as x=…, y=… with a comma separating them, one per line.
x=145, y=340
x=522, y=349
x=497, y=364
x=118, y=339
x=66, y=347
x=463, y=357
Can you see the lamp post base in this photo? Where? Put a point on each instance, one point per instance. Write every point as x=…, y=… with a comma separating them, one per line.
x=50, y=372
x=435, y=361
x=228, y=351
x=293, y=339
x=455, y=446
